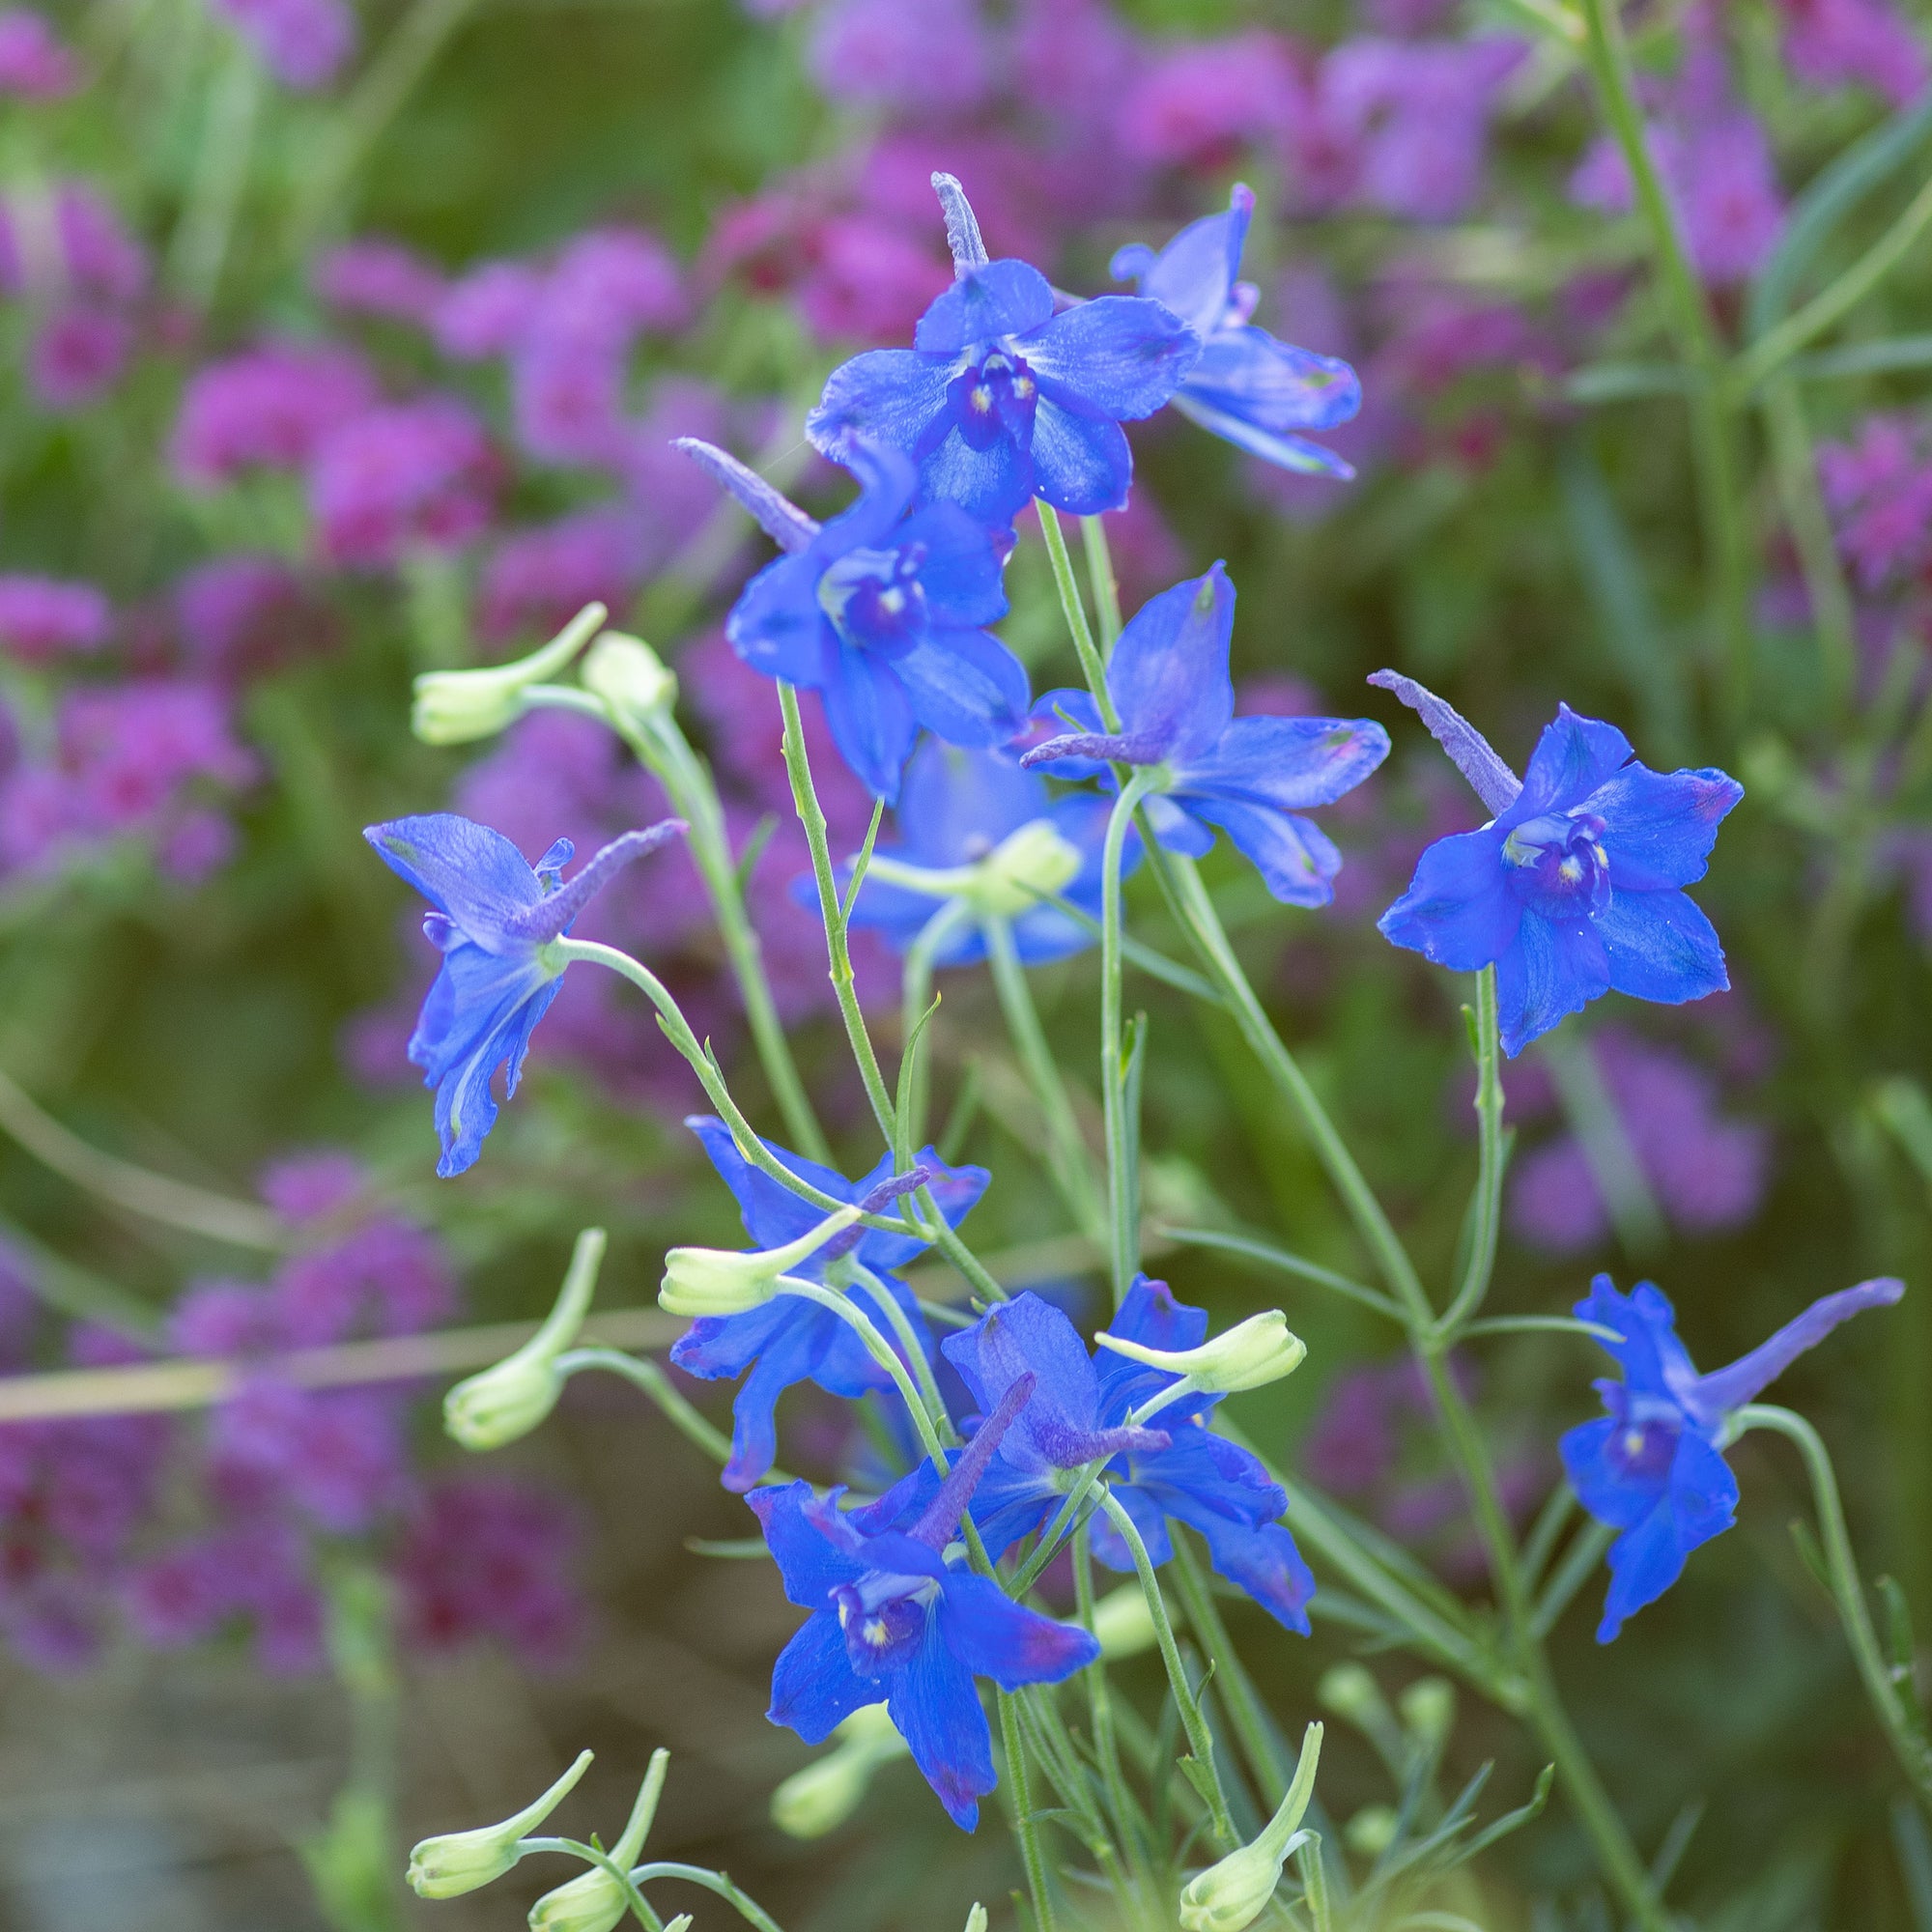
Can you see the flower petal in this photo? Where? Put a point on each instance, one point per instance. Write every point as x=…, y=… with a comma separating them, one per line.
x=1459, y=910
x=1248, y=374
x=965, y=686
x=1263, y=1562
x=888, y=396
x=772, y=1213
x=962, y=572
x=475, y=875
x=814, y=1687
x=1294, y=857
x=777, y=625
x=1004, y=298
x=1574, y=757
x=1121, y=357
x=1660, y=947
x=1169, y=672
x=1194, y=275
x=1659, y=827
x=937, y=1710
x=1552, y=970
x=810, y=1568
x=1289, y=763
x=992, y=485
x=993, y=1637
x=1293, y=453
x=870, y=717
x=957, y=804
x=1081, y=463
x=1029, y=1335
x=1611, y=1492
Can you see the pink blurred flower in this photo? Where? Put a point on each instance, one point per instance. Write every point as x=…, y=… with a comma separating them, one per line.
x=270, y=406
x=44, y=619
x=377, y=276
x=1833, y=42
x=403, y=475
x=302, y=42
x=34, y=63
x=1200, y=103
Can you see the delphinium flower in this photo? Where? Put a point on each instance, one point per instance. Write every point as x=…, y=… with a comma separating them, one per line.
x=403, y=477
x=302, y=42
x=1082, y=1408
x=882, y=614
x=1251, y=778
x=1879, y=491
x=1000, y=399
x=1246, y=386
x=34, y=63
x=979, y=838
x=788, y=1339
x=1706, y=1171
x=1654, y=1469
x=46, y=619
x=269, y=407
x=1830, y=43
x=896, y=1618
x=1575, y=888
x=495, y=923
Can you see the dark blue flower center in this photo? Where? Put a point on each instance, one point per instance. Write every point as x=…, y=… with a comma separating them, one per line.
x=875, y=598
x=994, y=401
x=1559, y=859
x=883, y=1617
x=1645, y=1448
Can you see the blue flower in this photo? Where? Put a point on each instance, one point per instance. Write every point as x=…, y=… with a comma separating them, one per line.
x=1574, y=888
x=1653, y=1469
x=979, y=838
x=896, y=1618
x=1247, y=387
x=495, y=923
x=882, y=614
x=1000, y=399
x=1251, y=777
x=1080, y=1410
x=789, y=1339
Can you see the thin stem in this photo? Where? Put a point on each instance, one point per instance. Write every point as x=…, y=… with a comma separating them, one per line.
x=716, y=1882
x=1024, y=1825
x=1200, y=1742
x=1245, y=1711
x=811, y=815
x=1288, y=1263
x=881, y=1352
x=1123, y=1197
x=1092, y=666
x=915, y=997
x=1100, y=1713
x=1481, y=1263
x=1100, y=576
x=1900, y=1725
x=912, y=1347
x=1049, y=1541
x=1825, y=587
x=644, y=1374
x=1067, y=1151
x=201, y=241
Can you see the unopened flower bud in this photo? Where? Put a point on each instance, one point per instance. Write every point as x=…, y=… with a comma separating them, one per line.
x=594, y=1901
x=821, y=1797
x=1371, y=1832
x=627, y=675
x=1026, y=865
x=454, y=708
x=1123, y=1624
x=460, y=1862
x=728, y=1281
x=1350, y=1691
x=1428, y=1709
x=976, y=1919
x=506, y=1402
x=1259, y=1350
x=1231, y=1896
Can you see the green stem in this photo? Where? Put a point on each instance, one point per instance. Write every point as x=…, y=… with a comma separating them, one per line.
x=1100, y=1713
x=1481, y=1263
x=915, y=997
x=881, y=1352
x=1024, y=1825
x=1200, y=1742
x=644, y=1374
x=1899, y=1722
x=1101, y=575
x=1092, y=666
x=912, y=1347
x=1230, y=1678
x=811, y=815
x=1831, y=600
x=1123, y=1197
x=201, y=241
x=716, y=1882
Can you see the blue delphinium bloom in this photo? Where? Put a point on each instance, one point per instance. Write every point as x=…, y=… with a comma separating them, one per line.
x=896, y=1618
x=1080, y=1410
x=1250, y=388
x=1251, y=777
x=1653, y=1469
x=494, y=922
x=1573, y=888
x=789, y=1339
x=975, y=832
x=1000, y=400
x=882, y=614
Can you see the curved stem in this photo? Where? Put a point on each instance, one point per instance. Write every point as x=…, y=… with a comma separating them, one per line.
x=746, y=1907
x=1124, y=1203
x=1898, y=1721
x=1092, y=666
x=881, y=1352
x=644, y=1374
x=915, y=997
x=910, y=1347
x=1101, y=1714
x=1482, y=1262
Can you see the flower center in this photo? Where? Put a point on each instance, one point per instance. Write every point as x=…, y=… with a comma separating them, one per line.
x=875, y=598
x=1560, y=858
x=994, y=400
x=1645, y=1449
x=881, y=1616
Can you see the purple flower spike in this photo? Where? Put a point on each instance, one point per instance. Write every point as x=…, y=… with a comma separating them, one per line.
x=896, y=1621
x=1574, y=890
x=1653, y=1469
x=1251, y=778
x=496, y=918
x=1001, y=399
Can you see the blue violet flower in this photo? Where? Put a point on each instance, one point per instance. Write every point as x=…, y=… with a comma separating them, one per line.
x=1653, y=1469
x=1247, y=387
x=882, y=614
x=495, y=921
x=896, y=1618
x=1573, y=888
x=788, y=1339
x=1082, y=1408
x=1250, y=777
x=1000, y=399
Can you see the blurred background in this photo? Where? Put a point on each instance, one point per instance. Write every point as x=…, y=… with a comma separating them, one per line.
x=341, y=342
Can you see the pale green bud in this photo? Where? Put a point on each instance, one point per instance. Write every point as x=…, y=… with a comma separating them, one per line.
x=460, y=1862
x=976, y=1919
x=594, y=1901
x=1371, y=1832
x=1123, y=1624
x=821, y=1797
x=1350, y=1691
x=454, y=708
x=503, y=1403
x=1027, y=865
x=1428, y=1709
x=728, y=1281
x=1229, y=1896
x=627, y=675
x=1259, y=1350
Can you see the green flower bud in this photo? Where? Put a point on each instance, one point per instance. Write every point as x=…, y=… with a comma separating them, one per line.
x=627, y=675
x=976, y=1919
x=1123, y=1624
x=1026, y=865
x=460, y=1862
x=1229, y=1896
x=728, y=1281
x=821, y=1797
x=1428, y=1709
x=1371, y=1832
x=454, y=708
x=1350, y=1693
x=1259, y=1350
x=594, y=1901
x=503, y=1403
